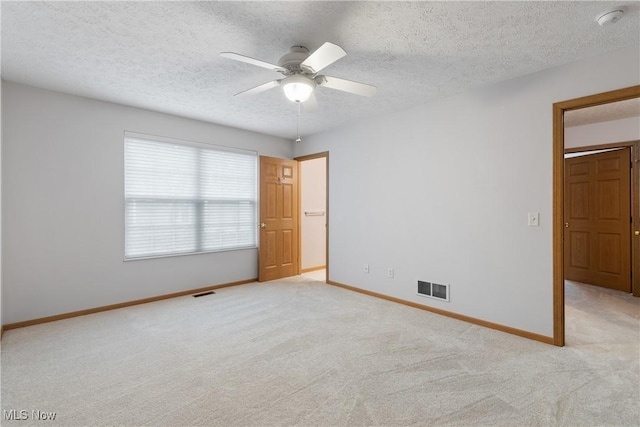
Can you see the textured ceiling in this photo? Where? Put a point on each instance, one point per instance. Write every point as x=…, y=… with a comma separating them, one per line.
x=164, y=56
x=603, y=113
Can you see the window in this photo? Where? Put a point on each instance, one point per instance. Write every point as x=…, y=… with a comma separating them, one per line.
x=183, y=198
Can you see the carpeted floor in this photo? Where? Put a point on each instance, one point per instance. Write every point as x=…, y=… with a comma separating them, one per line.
x=300, y=352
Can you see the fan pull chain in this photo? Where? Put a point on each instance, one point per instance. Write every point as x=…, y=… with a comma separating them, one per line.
x=298, y=139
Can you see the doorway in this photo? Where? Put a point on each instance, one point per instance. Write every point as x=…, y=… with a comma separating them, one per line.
x=559, y=110
x=313, y=172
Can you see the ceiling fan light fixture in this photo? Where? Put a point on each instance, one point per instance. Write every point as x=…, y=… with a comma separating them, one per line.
x=298, y=88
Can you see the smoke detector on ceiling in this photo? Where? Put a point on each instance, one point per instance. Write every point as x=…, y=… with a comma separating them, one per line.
x=610, y=16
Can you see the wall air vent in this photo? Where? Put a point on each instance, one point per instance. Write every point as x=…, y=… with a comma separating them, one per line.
x=433, y=290
x=424, y=288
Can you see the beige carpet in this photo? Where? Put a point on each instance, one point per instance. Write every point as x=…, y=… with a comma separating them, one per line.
x=299, y=352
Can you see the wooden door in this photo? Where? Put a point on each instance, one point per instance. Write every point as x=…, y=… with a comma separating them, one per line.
x=278, y=253
x=597, y=210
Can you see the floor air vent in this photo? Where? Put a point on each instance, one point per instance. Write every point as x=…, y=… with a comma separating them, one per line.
x=433, y=290
x=203, y=294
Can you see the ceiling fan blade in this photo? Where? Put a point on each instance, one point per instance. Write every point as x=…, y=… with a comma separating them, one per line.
x=347, y=85
x=263, y=87
x=323, y=56
x=249, y=60
x=311, y=104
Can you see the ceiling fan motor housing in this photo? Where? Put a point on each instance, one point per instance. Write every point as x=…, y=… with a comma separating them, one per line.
x=291, y=61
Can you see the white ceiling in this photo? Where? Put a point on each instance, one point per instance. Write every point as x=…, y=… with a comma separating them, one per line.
x=603, y=113
x=164, y=56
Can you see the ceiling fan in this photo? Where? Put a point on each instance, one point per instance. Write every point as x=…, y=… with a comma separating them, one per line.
x=300, y=70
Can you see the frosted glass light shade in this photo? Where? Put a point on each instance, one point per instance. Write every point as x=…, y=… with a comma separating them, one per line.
x=298, y=88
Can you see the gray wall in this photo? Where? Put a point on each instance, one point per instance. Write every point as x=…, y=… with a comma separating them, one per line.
x=620, y=130
x=441, y=193
x=1, y=322
x=62, y=205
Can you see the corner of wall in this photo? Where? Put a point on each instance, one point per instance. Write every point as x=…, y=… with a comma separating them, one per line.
x=1, y=321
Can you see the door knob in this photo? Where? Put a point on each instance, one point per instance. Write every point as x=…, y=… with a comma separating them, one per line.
x=263, y=225
x=566, y=225
x=637, y=232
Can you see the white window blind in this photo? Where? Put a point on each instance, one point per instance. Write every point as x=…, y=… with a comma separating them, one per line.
x=182, y=199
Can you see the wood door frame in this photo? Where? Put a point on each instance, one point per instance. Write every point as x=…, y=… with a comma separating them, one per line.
x=324, y=154
x=558, y=194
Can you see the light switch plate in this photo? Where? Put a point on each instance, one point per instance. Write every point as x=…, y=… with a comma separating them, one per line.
x=534, y=219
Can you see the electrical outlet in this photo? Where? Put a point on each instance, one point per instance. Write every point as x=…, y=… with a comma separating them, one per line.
x=366, y=268
x=390, y=273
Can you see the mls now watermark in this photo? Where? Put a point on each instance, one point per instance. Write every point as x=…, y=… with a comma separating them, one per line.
x=23, y=415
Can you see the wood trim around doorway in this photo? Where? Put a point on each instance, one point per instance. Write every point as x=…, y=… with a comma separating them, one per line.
x=613, y=145
x=635, y=209
x=558, y=193
x=324, y=154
